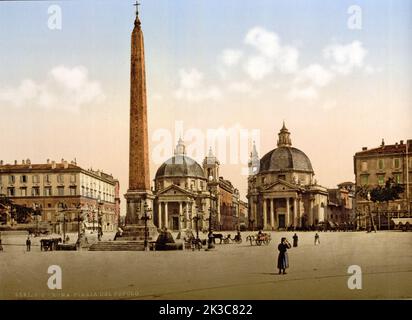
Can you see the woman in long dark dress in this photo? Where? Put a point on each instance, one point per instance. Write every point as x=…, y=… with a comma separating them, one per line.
x=283, y=261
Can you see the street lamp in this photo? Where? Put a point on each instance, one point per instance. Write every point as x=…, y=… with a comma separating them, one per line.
x=210, y=235
x=37, y=212
x=99, y=219
x=79, y=213
x=63, y=210
x=146, y=217
x=196, y=219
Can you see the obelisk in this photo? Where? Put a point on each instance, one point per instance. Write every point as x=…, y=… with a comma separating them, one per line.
x=139, y=196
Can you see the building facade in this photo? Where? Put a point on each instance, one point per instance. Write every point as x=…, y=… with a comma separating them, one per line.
x=372, y=168
x=64, y=193
x=282, y=191
x=189, y=195
x=341, y=203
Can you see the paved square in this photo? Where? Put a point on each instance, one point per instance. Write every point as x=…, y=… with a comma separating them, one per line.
x=232, y=271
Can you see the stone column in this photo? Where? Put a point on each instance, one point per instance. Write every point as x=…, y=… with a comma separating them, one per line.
x=166, y=217
x=187, y=215
x=180, y=216
x=287, y=213
x=265, y=217
x=295, y=212
x=310, y=214
x=272, y=214
x=218, y=211
x=300, y=212
x=159, y=213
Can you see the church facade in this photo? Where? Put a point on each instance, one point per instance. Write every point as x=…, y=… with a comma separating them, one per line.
x=282, y=191
x=189, y=195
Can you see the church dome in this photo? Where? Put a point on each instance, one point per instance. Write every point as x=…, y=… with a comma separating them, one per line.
x=180, y=165
x=285, y=157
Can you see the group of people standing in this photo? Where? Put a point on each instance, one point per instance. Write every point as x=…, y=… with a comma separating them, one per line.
x=284, y=245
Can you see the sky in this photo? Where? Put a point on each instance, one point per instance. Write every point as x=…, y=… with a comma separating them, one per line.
x=337, y=72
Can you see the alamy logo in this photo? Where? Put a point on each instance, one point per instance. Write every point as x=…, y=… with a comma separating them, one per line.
x=55, y=17
x=355, y=18
x=55, y=280
x=355, y=280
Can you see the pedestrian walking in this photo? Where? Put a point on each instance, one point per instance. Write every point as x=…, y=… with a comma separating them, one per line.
x=283, y=261
x=295, y=240
x=317, y=240
x=28, y=243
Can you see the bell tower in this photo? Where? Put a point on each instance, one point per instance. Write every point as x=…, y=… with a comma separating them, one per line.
x=284, y=137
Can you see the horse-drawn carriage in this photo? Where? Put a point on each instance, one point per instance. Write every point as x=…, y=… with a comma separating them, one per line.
x=49, y=244
x=259, y=239
x=228, y=239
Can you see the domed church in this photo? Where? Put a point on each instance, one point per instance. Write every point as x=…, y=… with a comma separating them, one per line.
x=187, y=193
x=282, y=191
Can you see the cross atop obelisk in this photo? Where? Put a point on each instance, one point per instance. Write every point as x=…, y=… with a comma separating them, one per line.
x=137, y=21
x=137, y=4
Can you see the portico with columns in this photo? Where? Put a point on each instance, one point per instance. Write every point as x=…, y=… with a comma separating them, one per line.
x=176, y=208
x=282, y=192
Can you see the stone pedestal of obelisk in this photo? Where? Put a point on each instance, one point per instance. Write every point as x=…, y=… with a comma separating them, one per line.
x=139, y=196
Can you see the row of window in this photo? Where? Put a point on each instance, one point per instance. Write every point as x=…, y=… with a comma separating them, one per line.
x=92, y=193
x=381, y=179
x=35, y=191
x=47, y=178
x=396, y=164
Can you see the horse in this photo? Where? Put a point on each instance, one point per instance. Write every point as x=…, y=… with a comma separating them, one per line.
x=218, y=236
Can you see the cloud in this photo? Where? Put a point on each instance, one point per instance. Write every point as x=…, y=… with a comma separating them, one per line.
x=347, y=57
x=65, y=88
x=308, y=81
x=315, y=74
x=230, y=57
x=191, y=87
x=242, y=87
x=271, y=55
x=307, y=93
x=257, y=67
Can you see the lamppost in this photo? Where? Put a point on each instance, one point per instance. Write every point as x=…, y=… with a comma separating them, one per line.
x=37, y=212
x=63, y=210
x=99, y=219
x=79, y=214
x=370, y=213
x=146, y=217
x=196, y=219
x=210, y=235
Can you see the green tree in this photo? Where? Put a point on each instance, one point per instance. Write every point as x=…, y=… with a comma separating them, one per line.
x=391, y=191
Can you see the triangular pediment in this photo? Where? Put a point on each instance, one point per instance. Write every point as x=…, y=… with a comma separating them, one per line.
x=174, y=190
x=281, y=185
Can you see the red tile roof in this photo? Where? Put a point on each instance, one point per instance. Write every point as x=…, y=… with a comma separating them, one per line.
x=59, y=166
x=387, y=149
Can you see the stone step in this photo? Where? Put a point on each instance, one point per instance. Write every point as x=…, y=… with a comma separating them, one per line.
x=117, y=246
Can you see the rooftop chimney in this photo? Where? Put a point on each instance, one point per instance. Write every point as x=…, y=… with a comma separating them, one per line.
x=1, y=162
x=364, y=148
x=383, y=143
x=28, y=161
x=53, y=163
x=23, y=162
x=65, y=164
x=48, y=161
x=15, y=162
x=401, y=142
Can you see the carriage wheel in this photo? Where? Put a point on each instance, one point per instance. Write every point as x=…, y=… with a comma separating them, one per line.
x=259, y=242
